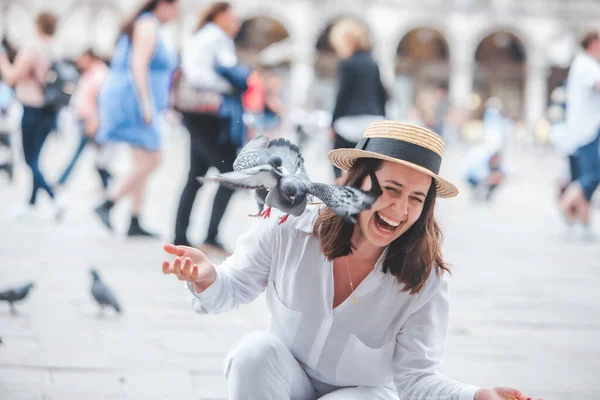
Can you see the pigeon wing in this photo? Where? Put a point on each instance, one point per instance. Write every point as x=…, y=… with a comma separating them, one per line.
x=105, y=296
x=262, y=176
x=344, y=201
x=253, y=154
x=292, y=160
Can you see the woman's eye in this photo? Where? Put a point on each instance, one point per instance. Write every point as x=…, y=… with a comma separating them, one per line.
x=418, y=199
x=391, y=189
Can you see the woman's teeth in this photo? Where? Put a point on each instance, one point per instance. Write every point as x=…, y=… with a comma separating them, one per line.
x=388, y=221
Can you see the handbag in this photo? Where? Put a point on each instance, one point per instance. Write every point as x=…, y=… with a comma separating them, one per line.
x=188, y=98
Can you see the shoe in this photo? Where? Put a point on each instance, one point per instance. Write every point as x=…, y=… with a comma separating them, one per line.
x=103, y=212
x=105, y=176
x=135, y=229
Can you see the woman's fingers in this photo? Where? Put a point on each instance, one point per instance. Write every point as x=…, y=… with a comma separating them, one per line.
x=194, y=274
x=167, y=267
x=174, y=250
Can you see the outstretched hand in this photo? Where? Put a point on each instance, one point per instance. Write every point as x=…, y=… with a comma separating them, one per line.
x=190, y=265
x=500, y=393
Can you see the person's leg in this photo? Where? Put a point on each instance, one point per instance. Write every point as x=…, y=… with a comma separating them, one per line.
x=104, y=156
x=228, y=154
x=198, y=167
x=28, y=132
x=260, y=367
x=588, y=158
x=145, y=162
x=83, y=141
x=45, y=124
x=362, y=393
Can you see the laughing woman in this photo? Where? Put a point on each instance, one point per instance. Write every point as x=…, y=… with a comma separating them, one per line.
x=358, y=311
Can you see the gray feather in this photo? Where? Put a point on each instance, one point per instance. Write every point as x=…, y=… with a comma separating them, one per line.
x=262, y=176
x=292, y=160
x=103, y=294
x=253, y=154
x=16, y=294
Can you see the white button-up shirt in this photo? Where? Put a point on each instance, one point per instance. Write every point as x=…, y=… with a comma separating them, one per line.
x=202, y=52
x=583, y=101
x=389, y=337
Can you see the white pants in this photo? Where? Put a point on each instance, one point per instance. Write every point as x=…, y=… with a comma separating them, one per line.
x=260, y=367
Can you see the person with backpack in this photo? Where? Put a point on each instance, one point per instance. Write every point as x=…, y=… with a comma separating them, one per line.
x=28, y=75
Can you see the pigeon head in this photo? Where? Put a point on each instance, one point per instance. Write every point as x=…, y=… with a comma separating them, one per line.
x=291, y=190
x=95, y=274
x=275, y=162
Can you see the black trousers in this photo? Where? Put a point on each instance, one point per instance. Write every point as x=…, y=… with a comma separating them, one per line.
x=205, y=151
x=36, y=124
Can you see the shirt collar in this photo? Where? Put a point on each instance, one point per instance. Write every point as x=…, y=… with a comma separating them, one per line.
x=306, y=222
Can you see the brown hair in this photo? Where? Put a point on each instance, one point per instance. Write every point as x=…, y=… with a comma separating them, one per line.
x=410, y=258
x=212, y=12
x=148, y=6
x=46, y=22
x=589, y=38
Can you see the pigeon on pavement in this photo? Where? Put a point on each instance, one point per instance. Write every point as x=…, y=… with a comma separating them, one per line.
x=103, y=295
x=15, y=294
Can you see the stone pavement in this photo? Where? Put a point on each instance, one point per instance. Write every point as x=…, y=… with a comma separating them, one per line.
x=525, y=300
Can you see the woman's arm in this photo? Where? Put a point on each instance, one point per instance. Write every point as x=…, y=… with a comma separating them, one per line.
x=144, y=41
x=239, y=280
x=22, y=67
x=243, y=276
x=419, y=347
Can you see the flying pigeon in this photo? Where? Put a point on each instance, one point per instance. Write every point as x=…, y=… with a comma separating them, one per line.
x=255, y=153
x=103, y=294
x=16, y=294
x=289, y=193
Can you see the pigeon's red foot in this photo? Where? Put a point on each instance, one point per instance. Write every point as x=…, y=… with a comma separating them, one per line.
x=267, y=213
x=283, y=219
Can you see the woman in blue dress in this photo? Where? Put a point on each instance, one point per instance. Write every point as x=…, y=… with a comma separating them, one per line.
x=134, y=94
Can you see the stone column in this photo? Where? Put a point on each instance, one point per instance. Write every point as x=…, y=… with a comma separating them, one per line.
x=536, y=88
x=302, y=71
x=462, y=69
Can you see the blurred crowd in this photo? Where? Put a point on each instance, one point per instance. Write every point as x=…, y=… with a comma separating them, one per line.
x=222, y=103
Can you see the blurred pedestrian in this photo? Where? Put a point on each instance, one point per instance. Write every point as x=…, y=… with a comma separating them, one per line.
x=361, y=96
x=28, y=76
x=485, y=170
x=94, y=72
x=583, y=124
x=442, y=109
x=135, y=93
x=209, y=63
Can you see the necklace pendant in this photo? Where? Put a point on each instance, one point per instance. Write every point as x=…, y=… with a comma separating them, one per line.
x=353, y=301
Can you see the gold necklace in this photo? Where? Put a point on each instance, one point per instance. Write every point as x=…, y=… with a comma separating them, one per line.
x=351, y=285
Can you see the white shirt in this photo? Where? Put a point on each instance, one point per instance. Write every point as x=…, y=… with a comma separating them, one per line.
x=202, y=52
x=389, y=338
x=583, y=101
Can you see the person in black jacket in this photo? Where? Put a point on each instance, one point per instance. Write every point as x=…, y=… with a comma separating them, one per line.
x=361, y=95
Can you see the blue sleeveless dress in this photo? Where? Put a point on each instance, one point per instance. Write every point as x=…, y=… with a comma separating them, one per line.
x=119, y=106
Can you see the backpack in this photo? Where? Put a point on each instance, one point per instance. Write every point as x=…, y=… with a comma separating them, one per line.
x=59, y=85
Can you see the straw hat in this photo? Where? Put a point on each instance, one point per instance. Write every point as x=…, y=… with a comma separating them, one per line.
x=406, y=144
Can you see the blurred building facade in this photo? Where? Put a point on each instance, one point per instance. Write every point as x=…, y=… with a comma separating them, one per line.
x=513, y=49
